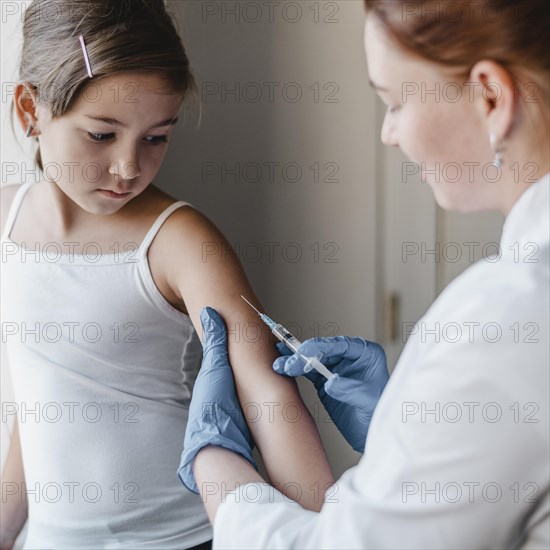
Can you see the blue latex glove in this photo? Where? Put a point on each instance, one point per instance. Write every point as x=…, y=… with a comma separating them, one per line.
x=351, y=396
x=215, y=417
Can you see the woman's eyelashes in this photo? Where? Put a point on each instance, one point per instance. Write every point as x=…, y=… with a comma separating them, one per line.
x=103, y=138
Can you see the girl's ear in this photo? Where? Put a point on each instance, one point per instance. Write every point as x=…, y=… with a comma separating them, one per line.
x=26, y=105
x=496, y=96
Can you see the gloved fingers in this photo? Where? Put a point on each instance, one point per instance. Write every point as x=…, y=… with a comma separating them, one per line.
x=292, y=365
x=279, y=364
x=356, y=393
x=283, y=349
x=352, y=348
x=288, y=364
x=219, y=425
x=333, y=348
x=215, y=379
x=214, y=331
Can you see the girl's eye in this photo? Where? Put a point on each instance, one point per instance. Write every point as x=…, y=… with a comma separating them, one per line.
x=100, y=137
x=157, y=140
x=152, y=140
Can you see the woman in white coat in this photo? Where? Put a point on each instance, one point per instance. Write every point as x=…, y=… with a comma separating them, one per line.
x=457, y=453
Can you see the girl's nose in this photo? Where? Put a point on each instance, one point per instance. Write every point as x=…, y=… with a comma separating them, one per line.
x=125, y=169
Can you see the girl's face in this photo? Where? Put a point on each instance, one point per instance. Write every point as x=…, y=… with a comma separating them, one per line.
x=113, y=138
x=447, y=137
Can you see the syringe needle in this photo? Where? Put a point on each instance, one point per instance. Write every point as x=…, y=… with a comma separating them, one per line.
x=292, y=343
x=250, y=305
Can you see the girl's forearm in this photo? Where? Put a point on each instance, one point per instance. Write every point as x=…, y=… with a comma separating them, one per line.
x=218, y=471
x=14, y=507
x=289, y=443
x=13, y=515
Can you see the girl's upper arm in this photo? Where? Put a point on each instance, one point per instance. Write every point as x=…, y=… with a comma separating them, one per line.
x=204, y=271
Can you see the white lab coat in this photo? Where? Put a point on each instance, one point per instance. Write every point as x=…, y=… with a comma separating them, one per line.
x=457, y=454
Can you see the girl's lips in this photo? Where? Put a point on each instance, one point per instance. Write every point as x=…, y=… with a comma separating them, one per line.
x=113, y=194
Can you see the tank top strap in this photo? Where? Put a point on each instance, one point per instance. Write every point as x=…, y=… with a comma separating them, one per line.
x=157, y=225
x=14, y=208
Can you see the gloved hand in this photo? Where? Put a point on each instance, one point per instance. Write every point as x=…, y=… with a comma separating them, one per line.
x=215, y=417
x=350, y=397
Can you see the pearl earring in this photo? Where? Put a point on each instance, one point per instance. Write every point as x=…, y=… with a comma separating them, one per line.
x=498, y=146
x=29, y=131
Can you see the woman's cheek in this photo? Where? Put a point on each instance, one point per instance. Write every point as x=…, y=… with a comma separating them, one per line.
x=411, y=135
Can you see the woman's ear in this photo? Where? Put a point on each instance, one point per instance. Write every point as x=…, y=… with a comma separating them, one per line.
x=497, y=96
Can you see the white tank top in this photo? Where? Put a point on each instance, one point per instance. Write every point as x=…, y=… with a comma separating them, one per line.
x=102, y=368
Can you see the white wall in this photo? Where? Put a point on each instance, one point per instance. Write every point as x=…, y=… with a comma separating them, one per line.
x=409, y=218
x=331, y=289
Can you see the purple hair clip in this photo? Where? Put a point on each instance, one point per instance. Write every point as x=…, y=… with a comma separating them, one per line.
x=86, y=58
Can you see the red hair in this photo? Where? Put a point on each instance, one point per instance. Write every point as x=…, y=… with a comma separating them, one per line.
x=458, y=33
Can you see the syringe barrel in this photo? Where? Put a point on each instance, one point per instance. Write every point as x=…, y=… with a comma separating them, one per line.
x=320, y=368
x=293, y=344
x=288, y=339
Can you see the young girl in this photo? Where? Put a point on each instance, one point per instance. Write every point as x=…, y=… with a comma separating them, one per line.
x=104, y=278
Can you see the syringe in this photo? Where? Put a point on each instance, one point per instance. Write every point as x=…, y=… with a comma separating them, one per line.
x=292, y=343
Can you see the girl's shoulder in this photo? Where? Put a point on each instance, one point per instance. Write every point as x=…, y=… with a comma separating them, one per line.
x=186, y=230
x=186, y=220
x=186, y=244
